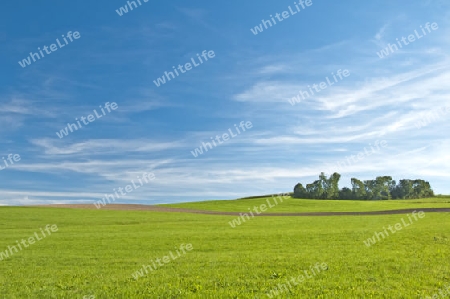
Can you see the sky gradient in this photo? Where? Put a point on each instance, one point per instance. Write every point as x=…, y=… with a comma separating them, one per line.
x=399, y=103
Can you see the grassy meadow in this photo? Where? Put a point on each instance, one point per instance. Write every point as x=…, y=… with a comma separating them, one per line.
x=290, y=204
x=95, y=252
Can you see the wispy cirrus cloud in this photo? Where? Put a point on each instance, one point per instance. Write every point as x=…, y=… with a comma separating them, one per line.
x=104, y=146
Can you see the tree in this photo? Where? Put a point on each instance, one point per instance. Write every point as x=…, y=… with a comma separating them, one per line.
x=300, y=191
x=333, y=186
x=371, y=189
x=421, y=189
x=358, y=189
x=318, y=191
x=324, y=186
x=346, y=193
x=403, y=190
x=383, y=186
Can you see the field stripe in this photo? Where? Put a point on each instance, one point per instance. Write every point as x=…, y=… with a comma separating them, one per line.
x=129, y=207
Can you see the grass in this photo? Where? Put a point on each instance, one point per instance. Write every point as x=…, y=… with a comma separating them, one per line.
x=306, y=205
x=95, y=253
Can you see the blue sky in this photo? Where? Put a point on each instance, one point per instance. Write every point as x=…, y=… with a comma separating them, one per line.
x=251, y=78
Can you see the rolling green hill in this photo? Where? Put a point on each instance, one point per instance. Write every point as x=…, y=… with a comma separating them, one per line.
x=289, y=204
x=102, y=253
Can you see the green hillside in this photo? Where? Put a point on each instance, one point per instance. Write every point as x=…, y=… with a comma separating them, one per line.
x=289, y=204
x=95, y=254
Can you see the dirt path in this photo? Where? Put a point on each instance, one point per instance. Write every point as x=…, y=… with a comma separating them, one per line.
x=129, y=207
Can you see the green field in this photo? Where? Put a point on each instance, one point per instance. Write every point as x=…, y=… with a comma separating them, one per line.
x=304, y=205
x=95, y=253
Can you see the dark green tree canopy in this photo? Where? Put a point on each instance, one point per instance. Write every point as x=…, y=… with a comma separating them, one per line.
x=382, y=188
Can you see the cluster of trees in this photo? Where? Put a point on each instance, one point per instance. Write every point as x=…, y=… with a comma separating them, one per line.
x=382, y=188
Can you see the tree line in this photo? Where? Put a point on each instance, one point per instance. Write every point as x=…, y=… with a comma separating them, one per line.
x=382, y=188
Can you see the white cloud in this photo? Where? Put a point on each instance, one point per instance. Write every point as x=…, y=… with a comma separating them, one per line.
x=104, y=146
